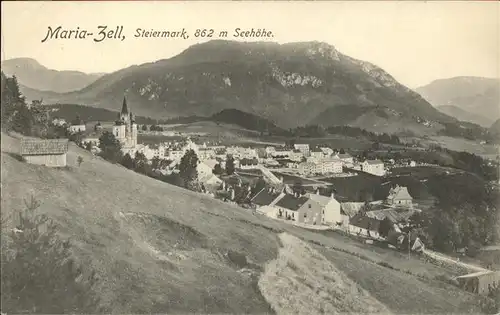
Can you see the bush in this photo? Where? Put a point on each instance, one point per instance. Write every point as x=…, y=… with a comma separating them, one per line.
x=39, y=274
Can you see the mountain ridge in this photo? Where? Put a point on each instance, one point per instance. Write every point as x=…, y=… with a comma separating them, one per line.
x=35, y=76
x=291, y=84
x=478, y=95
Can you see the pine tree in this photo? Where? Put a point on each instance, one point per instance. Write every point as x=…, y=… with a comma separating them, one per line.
x=140, y=162
x=110, y=147
x=229, y=165
x=39, y=274
x=187, y=169
x=217, y=169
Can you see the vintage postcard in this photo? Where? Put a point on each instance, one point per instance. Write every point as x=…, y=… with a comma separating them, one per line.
x=217, y=157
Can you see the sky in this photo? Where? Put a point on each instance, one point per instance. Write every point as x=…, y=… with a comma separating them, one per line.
x=416, y=42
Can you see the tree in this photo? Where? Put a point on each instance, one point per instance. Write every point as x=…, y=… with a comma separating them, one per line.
x=127, y=161
x=140, y=163
x=229, y=165
x=144, y=128
x=110, y=147
x=39, y=274
x=155, y=163
x=88, y=146
x=79, y=160
x=76, y=137
x=385, y=227
x=217, y=169
x=188, y=170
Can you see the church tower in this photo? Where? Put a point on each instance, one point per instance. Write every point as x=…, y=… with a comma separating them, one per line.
x=125, y=128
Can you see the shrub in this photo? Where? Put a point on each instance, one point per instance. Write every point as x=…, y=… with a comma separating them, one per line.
x=39, y=274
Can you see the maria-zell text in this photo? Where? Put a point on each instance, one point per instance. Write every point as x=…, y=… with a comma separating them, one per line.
x=107, y=33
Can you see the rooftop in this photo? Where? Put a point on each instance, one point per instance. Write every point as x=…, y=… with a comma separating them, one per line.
x=351, y=208
x=291, y=202
x=399, y=192
x=43, y=147
x=265, y=197
x=365, y=222
x=321, y=200
x=373, y=162
x=396, y=215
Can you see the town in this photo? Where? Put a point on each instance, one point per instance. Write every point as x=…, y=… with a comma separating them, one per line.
x=288, y=182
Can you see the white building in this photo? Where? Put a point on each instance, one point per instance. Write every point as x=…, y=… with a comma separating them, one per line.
x=330, y=209
x=282, y=153
x=58, y=122
x=205, y=173
x=307, y=168
x=296, y=156
x=374, y=167
x=270, y=150
x=326, y=151
x=330, y=166
x=304, y=148
x=317, y=154
x=346, y=158
x=77, y=125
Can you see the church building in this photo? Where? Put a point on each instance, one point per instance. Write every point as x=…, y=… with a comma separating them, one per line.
x=125, y=130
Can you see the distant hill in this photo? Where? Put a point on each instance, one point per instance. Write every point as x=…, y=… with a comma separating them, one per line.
x=463, y=115
x=34, y=77
x=477, y=95
x=291, y=84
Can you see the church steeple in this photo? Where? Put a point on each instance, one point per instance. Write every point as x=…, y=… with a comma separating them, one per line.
x=124, y=107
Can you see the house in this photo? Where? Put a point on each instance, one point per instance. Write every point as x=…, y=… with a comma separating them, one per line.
x=205, y=174
x=51, y=153
x=249, y=163
x=330, y=166
x=326, y=151
x=304, y=148
x=77, y=125
x=307, y=168
x=374, y=167
x=317, y=154
x=289, y=205
x=480, y=282
x=265, y=200
x=346, y=158
x=412, y=163
x=58, y=122
x=326, y=210
x=399, y=196
x=363, y=225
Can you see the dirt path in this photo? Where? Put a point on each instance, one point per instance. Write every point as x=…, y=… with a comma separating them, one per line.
x=302, y=281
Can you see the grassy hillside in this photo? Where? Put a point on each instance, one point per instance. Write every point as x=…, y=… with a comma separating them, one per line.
x=153, y=245
x=159, y=248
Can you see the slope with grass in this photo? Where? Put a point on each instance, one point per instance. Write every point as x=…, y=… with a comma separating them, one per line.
x=157, y=248
x=153, y=245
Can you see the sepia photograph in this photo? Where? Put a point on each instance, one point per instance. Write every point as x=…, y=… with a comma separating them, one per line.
x=250, y=157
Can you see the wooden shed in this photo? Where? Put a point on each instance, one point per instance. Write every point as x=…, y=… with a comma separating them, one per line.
x=51, y=153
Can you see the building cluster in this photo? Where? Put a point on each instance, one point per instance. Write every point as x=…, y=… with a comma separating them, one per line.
x=352, y=217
